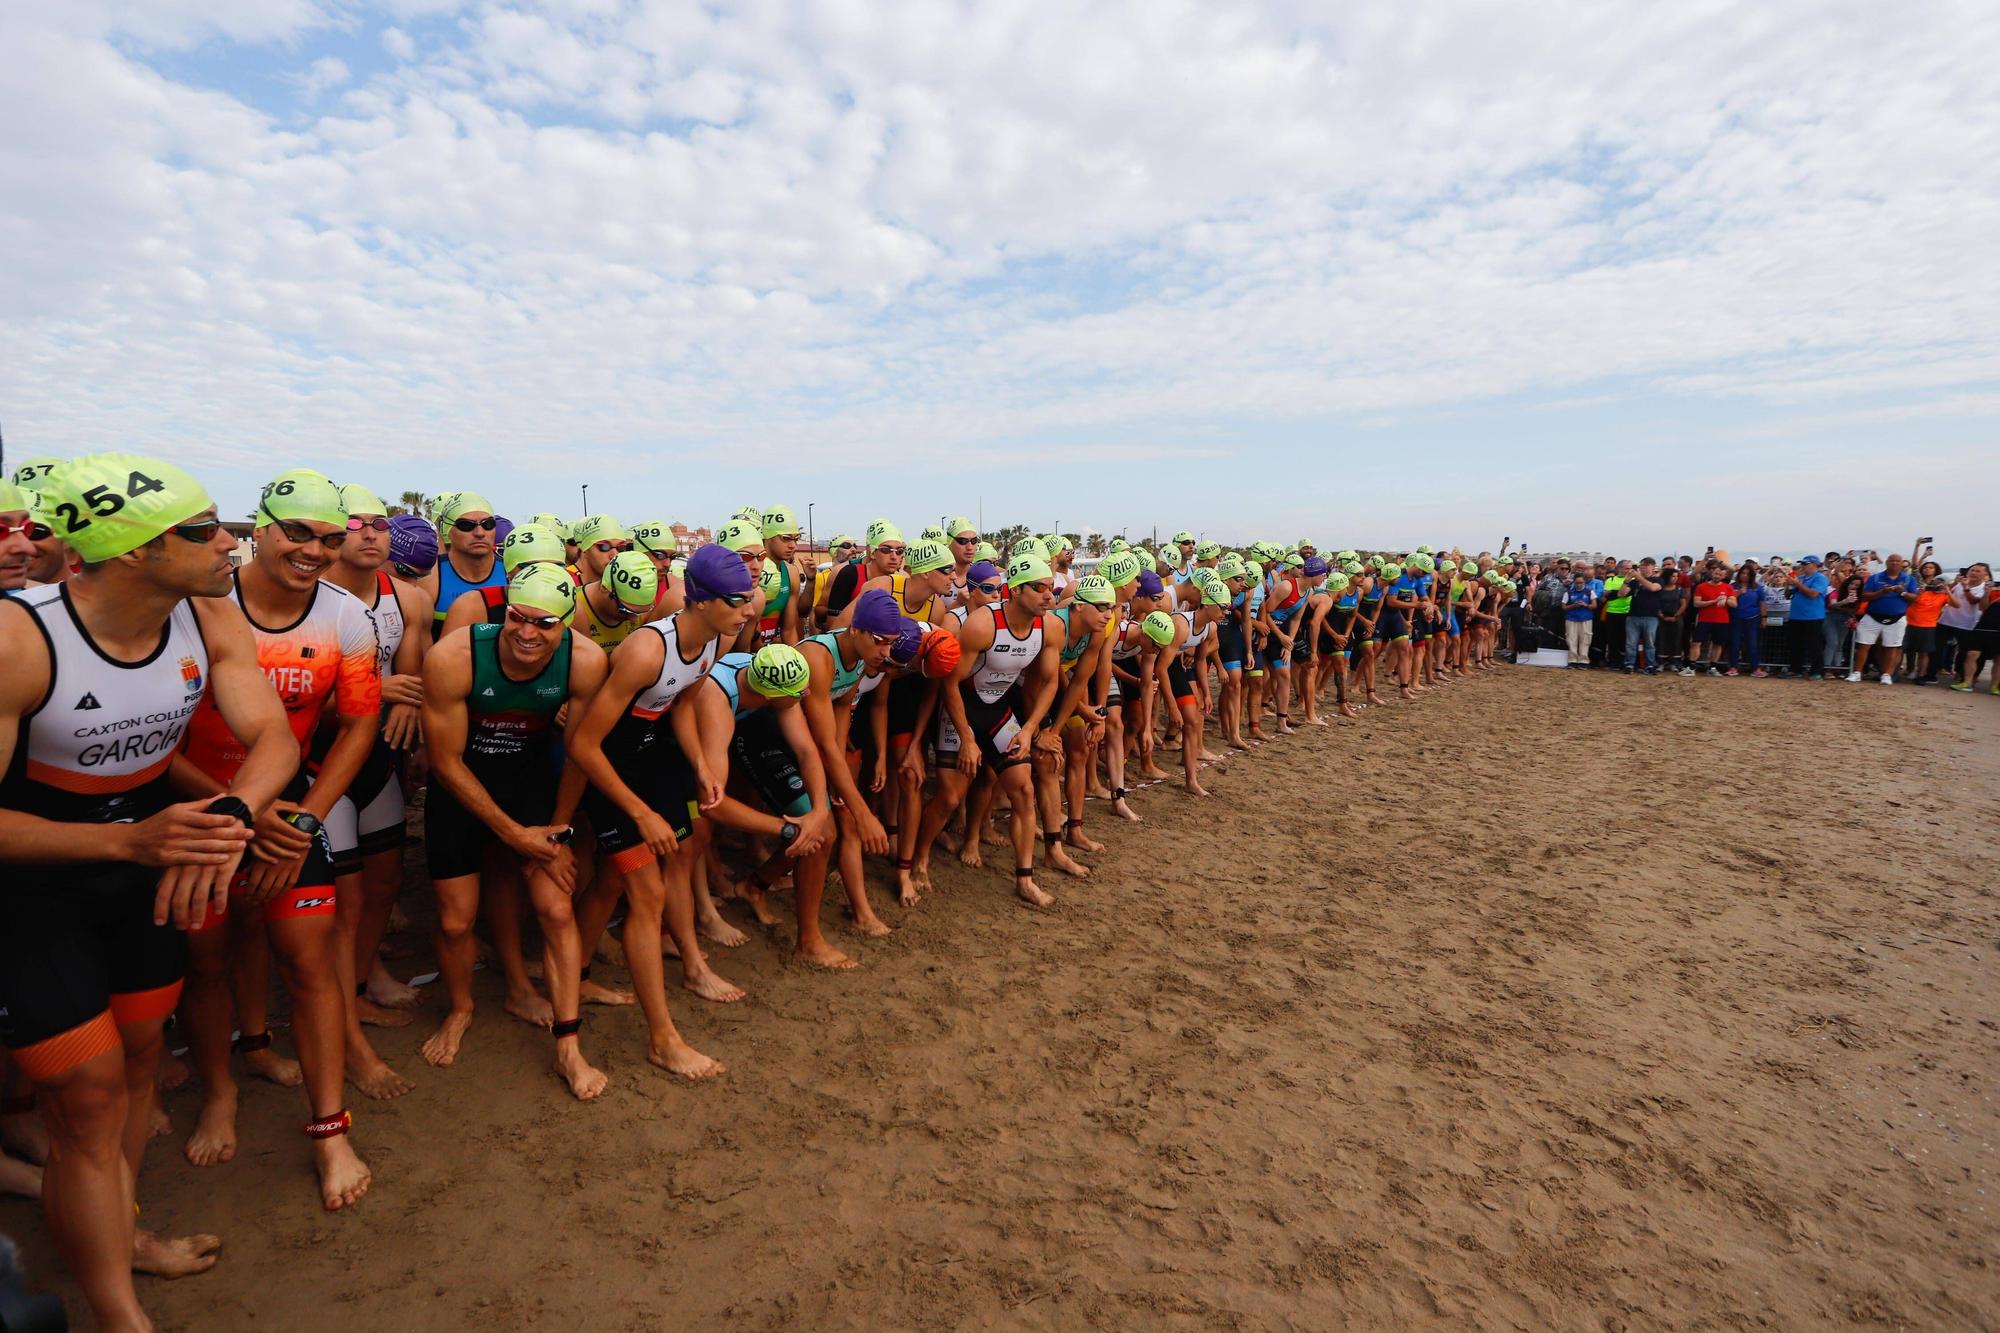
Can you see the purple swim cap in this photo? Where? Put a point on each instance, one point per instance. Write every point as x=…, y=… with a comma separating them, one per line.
x=905, y=650
x=413, y=544
x=984, y=571
x=1149, y=584
x=501, y=527
x=875, y=612
x=1315, y=567
x=713, y=571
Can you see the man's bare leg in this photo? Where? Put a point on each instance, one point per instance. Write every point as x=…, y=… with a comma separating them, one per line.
x=365, y=1067
x=204, y=1012
x=1191, y=755
x=1018, y=781
x=978, y=818
x=458, y=908
x=708, y=919
x=950, y=794
x=250, y=986
x=677, y=875
x=1077, y=754
x=854, y=874
x=306, y=947
x=505, y=899
x=809, y=887
x=381, y=881
x=646, y=895
x=592, y=908
x=22, y=1133
x=562, y=968
x=1114, y=763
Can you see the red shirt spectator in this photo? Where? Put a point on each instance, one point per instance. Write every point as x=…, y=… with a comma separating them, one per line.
x=1719, y=613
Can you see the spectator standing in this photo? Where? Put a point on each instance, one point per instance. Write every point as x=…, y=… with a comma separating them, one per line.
x=1746, y=620
x=1920, y=642
x=1841, y=613
x=1805, y=625
x=1642, y=620
x=1961, y=616
x=1885, y=620
x=1713, y=598
x=1673, y=611
x=1580, y=605
x=1982, y=641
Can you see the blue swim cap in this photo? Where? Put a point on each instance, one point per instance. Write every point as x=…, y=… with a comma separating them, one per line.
x=714, y=571
x=876, y=612
x=1149, y=584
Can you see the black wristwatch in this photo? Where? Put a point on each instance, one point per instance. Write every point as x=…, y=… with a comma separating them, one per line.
x=561, y=837
x=305, y=821
x=232, y=806
x=788, y=833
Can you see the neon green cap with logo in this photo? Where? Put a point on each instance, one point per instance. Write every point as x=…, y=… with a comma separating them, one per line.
x=544, y=588
x=841, y=539
x=986, y=551
x=778, y=521
x=1208, y=551
x=553, y=522
x=1230, y=566
x=1119, y=544
x=1422, y=563
x=34, y=474
x=1183, y=537
x=360, y=500
x=121, y=502
x=1253, y=571
x=1024, y=569
x=1424, y=550
x=1119, y=568
x=1392, y=572
x=457, y=504
x=1095, y=589
x=1214, y=592
x=778, y=671
x=1352, y=568
x=932, y=533
x=593, y=528
x=960, y=527
x=302, y=497
x=926, y=554
x=632, y=579
x=772, y=580
x=13, y=499
x=882, y=530
x=656, y=536
x=1029, y=546
x=1447, y=566
x=1336, y=582
x=1159, y=627
x=740, y=535
x=531, y=544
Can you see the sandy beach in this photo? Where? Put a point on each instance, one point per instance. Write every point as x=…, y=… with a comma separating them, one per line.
x=1546, y=1001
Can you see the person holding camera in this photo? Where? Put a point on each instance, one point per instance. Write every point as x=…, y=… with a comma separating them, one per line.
x=1884, y=621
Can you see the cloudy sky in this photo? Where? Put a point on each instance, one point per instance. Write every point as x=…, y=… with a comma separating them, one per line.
x=1592, y=274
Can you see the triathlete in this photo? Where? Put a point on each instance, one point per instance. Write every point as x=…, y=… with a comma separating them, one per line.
x=528, y=544
x=779, y=621
x=491, y=695
x=316, y=646
x=103, y=672
x=469, y=559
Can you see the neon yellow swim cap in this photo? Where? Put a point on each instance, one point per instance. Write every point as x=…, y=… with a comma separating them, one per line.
x=547, y=589
x=632, y=579
x=302, y=498
x=360, y=500
x=655, y=536
x=882, y=530
x=1119, y=544
x=13, y=499
x=1183, y=537
x=1095, y=589
x=960, y=527
x=1214, y=591
x=740, y=535
x=1336, y=582
x=986, y=551
x=1447, y=566
x=926, y=554
x=778, y=671
x=593, y=528
x=1029, y=546
x=1023, y=569
x=530, y=544
x=1253, y=571
x=1392, y=572
x=34, y=474
x=1119, y=568
x=1230, y=566
x=457, y=504
x=1208, y=551
x=1159, y=627
x=779, y=521
x=1352, y=568
x=932, y=533
x=552, y=522
x=119, y=502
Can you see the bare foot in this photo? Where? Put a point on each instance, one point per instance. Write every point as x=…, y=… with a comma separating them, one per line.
x=677, y=1057
x=389, y=993
x=375, y=1016
x=585, y=1080
x=707, y=984
x=1081, y=841
x=1064, y=862
x=1317, y=721
x=1124, y=811
x=718, y=931
x=591, y=993
x=908, y=893
x=442, y=1047
x=968, y=855
x=343, y=1176
x=399, y=920
x=20, y=1178
x=1238, y=743
x=760, y=906
x=174, y=1074
x=532, y=1008
x=24, y=1136
x=182, y=1256
x=990, y=836
x=1194, y=788
x=214, y=1139
x=162, y=1123
x=871, y=925
x=1031, y=895
x=370, y=1073
x=947, y=839
x=268, y=1065
x=824, y=955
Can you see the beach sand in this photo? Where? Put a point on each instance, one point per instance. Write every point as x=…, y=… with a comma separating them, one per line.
x=1547, y=1001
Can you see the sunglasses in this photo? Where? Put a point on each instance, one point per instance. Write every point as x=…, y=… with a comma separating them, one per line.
x=199, y=533
x=377, y=524
x=474, y=524
x=35, y=532
x=782, y=537
x=990, y=589
x=539, y=622
x=300, y=535
x=605, y=548
x=966, y=541
x=733, y=599
x=886, y=640
x=889, y=550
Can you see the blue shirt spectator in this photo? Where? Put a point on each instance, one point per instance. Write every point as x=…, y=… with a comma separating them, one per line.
x=1888, y=593
x=1810, y=608
x=1581, y=603
x=1749, y=602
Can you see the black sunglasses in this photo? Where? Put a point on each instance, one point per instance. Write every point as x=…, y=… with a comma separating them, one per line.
x=605, y=548
x=965, y=541
x=539, y=622
x=199, y=533
x=473, y=524
x=301, y=535
x=377, y=524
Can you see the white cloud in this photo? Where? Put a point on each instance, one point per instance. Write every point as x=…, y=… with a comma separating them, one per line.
x=659, y=225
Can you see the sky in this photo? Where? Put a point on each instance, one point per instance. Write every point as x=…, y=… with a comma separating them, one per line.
x=1620, y=276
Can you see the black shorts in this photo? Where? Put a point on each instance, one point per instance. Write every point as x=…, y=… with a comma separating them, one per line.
x=665, y=782
x=1920, y=639
x=759, y=749
x=1229, y=644
x=1302, y=643
x=455, y=839
x=1179, y=685
x=1420, y=626
x=906, y=697
x=990, y=723
x=1392, y=626
x=1711, y=631
x=80, y=955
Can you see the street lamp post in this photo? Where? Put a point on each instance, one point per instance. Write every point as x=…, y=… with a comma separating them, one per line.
x=810, y=543
x=586, y=499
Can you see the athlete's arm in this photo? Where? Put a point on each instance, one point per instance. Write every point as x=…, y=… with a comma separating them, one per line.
x=817, y=825
x=975, y=636
x=825, y=731
x=877, y=704
x=788, y=623
x=403, y=689
x=636, y=665
x=1048, y=669
x=447, y=683
x=708, y=779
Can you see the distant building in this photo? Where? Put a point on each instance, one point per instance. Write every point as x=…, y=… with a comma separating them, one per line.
x=240, y=530
x=688, y=540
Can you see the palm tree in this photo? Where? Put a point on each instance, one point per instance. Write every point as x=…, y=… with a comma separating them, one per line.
x=1093, y=545
x=413, y=502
